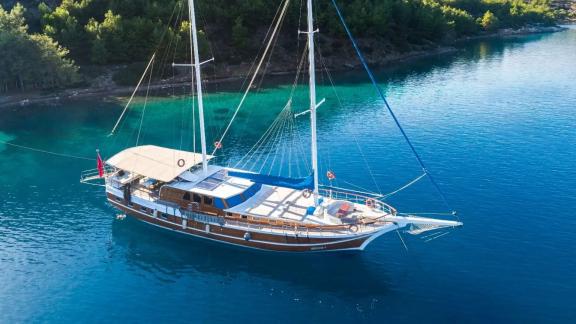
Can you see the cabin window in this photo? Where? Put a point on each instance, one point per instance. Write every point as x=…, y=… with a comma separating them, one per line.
x=244, y=216
x=208, y=200
x=186, y=196
x=197, y=198
x=164, y=215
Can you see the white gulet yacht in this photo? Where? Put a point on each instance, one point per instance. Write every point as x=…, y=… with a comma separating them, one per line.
x=181, y=191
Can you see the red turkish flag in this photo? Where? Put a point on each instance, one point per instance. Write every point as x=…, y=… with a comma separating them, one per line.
x=99, y=165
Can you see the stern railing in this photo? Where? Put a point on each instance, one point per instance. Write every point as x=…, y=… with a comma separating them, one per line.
x=89, y=176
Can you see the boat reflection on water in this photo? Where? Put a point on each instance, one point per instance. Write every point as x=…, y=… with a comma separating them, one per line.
x=168, y=256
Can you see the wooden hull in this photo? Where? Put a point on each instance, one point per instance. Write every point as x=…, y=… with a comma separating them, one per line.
x=249, y=238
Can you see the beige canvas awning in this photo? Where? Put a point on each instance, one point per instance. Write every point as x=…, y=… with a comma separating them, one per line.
x=156, y=162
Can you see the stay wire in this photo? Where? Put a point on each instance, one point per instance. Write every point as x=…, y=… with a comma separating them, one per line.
x=383, y=97
x=64, y=155
x=404, y=187
x=144, y=108
x=271, y=41
x=356, y=141
x=252, y=67
x=113, y=132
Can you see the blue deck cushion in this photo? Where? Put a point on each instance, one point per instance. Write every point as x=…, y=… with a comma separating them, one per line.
x=240, y=198
x=234, y=200
x=293, y=183
x=218, y=203
x=252, y=190
x=310, y=210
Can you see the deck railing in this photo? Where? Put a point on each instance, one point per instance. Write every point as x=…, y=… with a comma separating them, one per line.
x=363, y=198
x=330, y=230
x=303, y=230
x=145, y=193
x=202, y=218
x=87, y=176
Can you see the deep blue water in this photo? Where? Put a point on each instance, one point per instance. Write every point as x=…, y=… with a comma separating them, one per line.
x=495, y=123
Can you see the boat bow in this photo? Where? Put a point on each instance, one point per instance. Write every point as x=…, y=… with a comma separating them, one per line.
x=403, y=221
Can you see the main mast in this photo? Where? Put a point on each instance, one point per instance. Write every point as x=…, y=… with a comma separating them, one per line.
x=312, y=73
x=196, y=64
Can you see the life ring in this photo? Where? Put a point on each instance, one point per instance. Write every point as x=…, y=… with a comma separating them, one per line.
x=306, y=193
x=353, y=228
x=247, y=236
x=370, y=202
x=181, y=163
x=330, y=175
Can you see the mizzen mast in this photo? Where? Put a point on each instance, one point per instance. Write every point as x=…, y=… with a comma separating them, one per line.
x=197, y=68
x=313, y=104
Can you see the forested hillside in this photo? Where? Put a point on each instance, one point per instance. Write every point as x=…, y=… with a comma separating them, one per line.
x=31, y=61
x=102, y=32
x=565, y=9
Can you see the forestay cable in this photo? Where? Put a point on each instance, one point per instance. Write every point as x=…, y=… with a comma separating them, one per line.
x=383, y=97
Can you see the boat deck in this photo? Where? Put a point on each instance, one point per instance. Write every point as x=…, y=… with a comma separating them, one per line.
x=316, y=232
x=283, y=204
x=335, y=215
x=293, y=205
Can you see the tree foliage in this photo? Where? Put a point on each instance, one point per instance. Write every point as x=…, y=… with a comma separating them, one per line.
x=118, y=31
x=489, y=21
x=459, y=20
x=30, y=61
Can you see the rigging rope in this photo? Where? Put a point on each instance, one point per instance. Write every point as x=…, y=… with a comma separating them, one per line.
x=404, y=187
x=144, y=108
x=284, y=123
x=253, y=151
x=383, y=97
x=47, y=152
x=132, y=96
x=358, y=187
x=402, y=240
x=253, y=64
x=272, y=36
x=356, y=141
x=439, y=235
x=426, y=214
x=144, y=74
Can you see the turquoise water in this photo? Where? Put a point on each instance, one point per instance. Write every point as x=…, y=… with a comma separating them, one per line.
x=495, y=123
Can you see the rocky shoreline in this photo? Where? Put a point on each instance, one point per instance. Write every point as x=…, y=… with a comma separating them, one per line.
x=234, y=74
x=509, y=32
